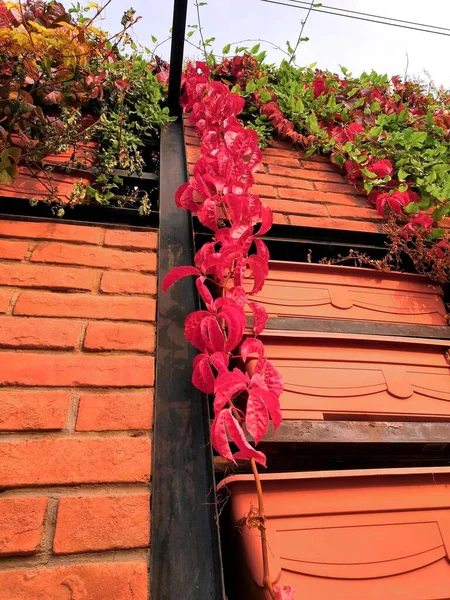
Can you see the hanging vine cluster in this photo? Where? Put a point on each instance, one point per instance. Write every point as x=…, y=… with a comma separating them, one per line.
x=219, y=195
x=235, y=262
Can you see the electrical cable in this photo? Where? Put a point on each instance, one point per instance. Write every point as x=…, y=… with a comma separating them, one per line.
x=355, y=12
x=326, y=12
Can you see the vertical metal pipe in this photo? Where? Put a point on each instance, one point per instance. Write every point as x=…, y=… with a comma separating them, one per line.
x=176, y=55
x=185, y=550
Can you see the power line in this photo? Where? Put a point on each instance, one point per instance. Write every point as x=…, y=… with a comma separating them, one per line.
x=355, y=12
x=326, y=12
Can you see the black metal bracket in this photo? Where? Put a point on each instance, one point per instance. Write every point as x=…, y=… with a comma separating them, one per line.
x=360, y=432
x=367, y=328
x=312, y=244
x=186, y=558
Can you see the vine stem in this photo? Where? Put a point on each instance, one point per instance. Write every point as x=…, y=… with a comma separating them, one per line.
x=299, y=39
x=267, y=579
x=200, y=29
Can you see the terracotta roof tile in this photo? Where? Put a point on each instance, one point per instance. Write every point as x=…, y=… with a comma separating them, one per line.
x=306, y=191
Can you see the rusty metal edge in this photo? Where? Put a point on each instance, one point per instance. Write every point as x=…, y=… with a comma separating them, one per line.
x=185, y=546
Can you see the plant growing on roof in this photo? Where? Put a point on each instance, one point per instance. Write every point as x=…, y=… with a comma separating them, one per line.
x=70, y=90
x=390, y=137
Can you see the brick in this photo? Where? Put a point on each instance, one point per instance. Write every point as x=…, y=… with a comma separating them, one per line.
x=95, y=523
x=76, y=460
x=68, y=369
x=277, y=143
x=191, y=138
x=23, y=410
x=275, y=180
x=316, y=165
x=355, y=213
x=21, y=524
x=5, y=300
x=117, y=411
x=38, y=333
x=265, y=191
x=296, y=194
x=321, y=158
x=81, y=305
x=282, y=161
x=293, y=207
x=192, y=154
x=43, y=276
x=279, y=219
x=51, y=231
x=340, y=188
x=329, y=223
x=115, y=282
x=13, y=250
x=119, y=336
x=270, y=151
x=134, y=240
x=92, y=256
x=308, y=174
x=93, y=581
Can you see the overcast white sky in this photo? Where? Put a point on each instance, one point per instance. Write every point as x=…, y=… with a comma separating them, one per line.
x=334, y=41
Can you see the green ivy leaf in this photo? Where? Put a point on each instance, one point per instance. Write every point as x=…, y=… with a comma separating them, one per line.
x=8, y=174
x=402, y=175
x=440, y=212
x=289, y=47
x=339, y=160
x=437, y=233
x=411, y=208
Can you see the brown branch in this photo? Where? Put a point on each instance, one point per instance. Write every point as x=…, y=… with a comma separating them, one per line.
x=267, y=579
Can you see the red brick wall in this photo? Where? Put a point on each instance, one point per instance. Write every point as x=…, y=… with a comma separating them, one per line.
x=308, y=192
x=77, y=343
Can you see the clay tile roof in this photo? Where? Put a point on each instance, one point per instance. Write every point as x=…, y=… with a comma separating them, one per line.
x=311, y=192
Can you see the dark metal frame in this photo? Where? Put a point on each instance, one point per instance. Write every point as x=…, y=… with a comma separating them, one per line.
x=364, y=328
x=186, y=559
x=92, y=214
x=176, y=55
x=360, y=432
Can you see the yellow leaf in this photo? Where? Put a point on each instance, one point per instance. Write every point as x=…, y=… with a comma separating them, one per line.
x=67, y=26
x=93, y=5
x=96, y=31
x=38, y=27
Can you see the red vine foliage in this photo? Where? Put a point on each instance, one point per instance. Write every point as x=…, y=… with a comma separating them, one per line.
x=219, y=194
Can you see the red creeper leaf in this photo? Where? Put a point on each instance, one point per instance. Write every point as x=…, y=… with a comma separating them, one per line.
x=228, y=385
x=284, y=592
x=192, y=328
x=205, y=294
x=177, y=273
x=250, y=346
x=260, y=317
x=202, y=376
x=256, y=416
x=237, y=435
